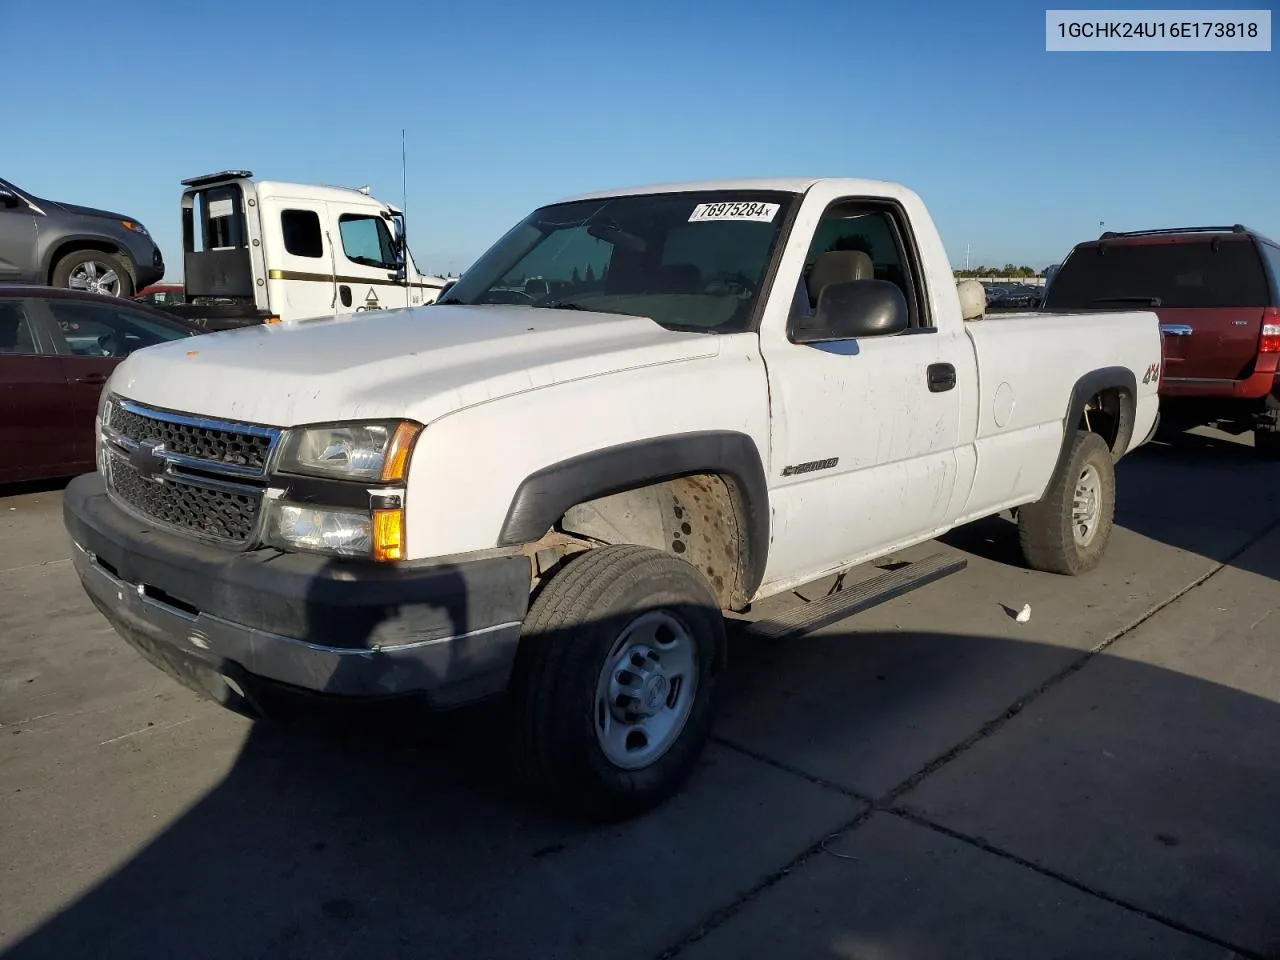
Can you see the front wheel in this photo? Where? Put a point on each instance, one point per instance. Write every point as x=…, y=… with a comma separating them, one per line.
x=616, y=680
x=1067, y=530
x=94, y=272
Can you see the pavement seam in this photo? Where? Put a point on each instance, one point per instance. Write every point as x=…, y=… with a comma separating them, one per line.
x=793, y=771
x=914, y=817
x=1075, y=666
x=726, y=913
x=887, y=804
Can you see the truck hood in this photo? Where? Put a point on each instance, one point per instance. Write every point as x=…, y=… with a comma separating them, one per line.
x=421, y=363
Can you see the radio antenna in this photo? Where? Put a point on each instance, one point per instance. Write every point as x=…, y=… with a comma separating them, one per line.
x=404, y=207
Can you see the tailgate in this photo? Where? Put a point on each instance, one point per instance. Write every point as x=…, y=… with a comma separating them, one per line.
x=1210, y=344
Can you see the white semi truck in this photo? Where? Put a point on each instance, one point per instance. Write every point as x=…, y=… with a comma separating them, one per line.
x=267, y=251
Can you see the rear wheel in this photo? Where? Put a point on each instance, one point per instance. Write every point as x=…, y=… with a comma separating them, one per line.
x=1067, y=530
x=615, y=682
x=1266, y=441
x=93, y=272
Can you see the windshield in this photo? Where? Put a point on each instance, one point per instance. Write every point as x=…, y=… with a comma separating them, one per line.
x=688, y=261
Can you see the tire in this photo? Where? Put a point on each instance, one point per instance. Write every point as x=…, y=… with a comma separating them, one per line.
x=1266, y=443
x=72, y=263
x=1047, y=530
x=601, y=605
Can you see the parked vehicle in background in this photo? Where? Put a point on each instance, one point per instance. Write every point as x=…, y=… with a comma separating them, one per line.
x=1217, y=293
x=272, y=252
x=1018, y=296
x=74, y=247
x=57, y=349
x=723, y=391
x=160, y=293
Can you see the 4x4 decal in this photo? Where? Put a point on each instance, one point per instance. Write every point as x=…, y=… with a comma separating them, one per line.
x=1153, y=373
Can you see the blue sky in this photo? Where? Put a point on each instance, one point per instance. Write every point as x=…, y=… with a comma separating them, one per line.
x=1018, y=152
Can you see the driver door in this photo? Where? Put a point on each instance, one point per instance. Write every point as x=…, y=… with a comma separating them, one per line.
x=367, y=261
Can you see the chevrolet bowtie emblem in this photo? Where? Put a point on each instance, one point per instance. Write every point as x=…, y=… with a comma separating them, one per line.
x=148, y=459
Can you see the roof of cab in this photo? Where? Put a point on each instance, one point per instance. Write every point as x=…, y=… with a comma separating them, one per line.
x=782, y=184
x=311, y=191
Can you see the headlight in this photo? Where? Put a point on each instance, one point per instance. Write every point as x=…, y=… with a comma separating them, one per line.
x=377, y=534
x=344, y=533
x=135, y=226
x=376, y=451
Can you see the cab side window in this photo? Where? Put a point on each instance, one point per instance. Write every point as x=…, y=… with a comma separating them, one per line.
x=301, y=232
x=858, y=241
x=367, y=241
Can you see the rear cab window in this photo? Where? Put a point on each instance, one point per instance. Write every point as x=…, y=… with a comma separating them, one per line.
x=1204, y=272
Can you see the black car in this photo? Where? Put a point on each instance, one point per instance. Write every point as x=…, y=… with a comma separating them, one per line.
x=79, y=248
x=1021, y=296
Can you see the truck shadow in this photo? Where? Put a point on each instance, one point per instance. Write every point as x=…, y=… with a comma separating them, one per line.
x=1202, y=494
x=374, y=844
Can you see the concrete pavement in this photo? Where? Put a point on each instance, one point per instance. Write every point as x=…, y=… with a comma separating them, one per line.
x=931, y=779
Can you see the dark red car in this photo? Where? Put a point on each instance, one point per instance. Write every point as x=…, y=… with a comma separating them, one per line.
x=1216, y=291
x=57, y=348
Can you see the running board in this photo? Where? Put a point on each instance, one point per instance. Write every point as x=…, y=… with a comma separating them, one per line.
x=862, y=596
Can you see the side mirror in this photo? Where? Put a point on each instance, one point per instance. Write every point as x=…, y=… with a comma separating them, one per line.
x=857, y=308
x=8, y=198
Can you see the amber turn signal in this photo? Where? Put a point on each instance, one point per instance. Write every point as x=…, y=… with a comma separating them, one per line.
x=388, y=535
x=396, y=463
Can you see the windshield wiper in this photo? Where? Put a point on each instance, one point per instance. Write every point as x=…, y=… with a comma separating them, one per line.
x=1150, y=301
x=561, y=305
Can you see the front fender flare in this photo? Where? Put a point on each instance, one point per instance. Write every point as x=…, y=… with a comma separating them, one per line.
x=544, y=497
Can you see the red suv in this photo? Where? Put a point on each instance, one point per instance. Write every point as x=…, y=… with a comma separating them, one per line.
x=1216, y=291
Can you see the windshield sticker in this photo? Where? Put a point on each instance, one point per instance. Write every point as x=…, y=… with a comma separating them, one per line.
x=759, y=212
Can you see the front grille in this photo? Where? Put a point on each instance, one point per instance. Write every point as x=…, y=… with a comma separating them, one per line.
x=214, y=444
x=224, y=515
x=202, y=476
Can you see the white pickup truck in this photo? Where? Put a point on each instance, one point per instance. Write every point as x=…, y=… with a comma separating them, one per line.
x=636, y=411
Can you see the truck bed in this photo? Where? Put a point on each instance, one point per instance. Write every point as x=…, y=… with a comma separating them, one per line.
x=1022, y=389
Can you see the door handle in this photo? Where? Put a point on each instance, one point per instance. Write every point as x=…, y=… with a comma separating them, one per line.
x=344, y=293
x=95, y=379
x=942, y=376
x=1176, y=329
